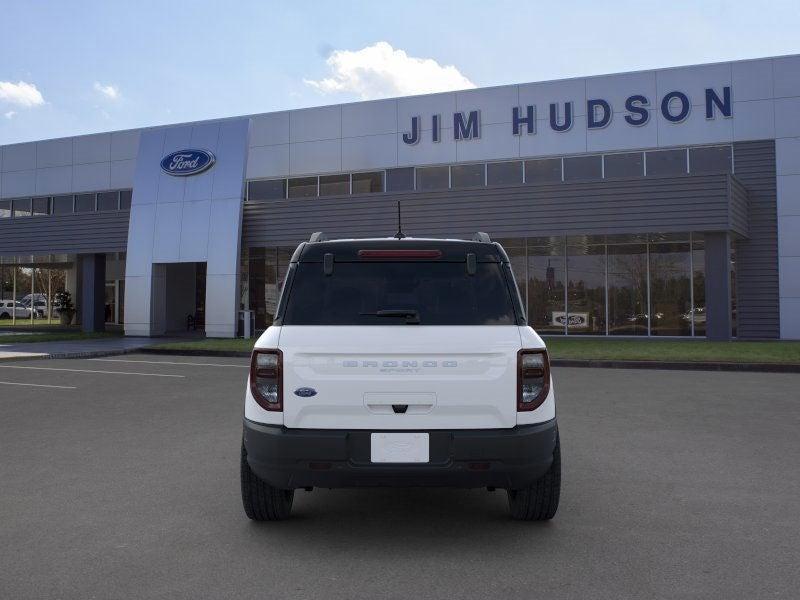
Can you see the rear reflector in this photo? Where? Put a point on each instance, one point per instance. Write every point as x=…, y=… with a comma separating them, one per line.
x=400, y=253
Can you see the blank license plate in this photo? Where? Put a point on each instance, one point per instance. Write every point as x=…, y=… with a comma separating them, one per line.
x=400, y=447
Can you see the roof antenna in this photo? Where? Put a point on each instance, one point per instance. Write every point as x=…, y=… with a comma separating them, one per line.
x=399, y=235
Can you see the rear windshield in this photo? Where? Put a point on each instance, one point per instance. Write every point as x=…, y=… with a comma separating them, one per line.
x=399, y=293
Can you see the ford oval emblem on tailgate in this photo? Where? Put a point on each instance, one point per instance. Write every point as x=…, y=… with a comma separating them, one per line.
x=305, y=392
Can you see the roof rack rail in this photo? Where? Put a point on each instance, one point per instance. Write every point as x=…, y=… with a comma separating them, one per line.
x=480, y=236
x=317, y=236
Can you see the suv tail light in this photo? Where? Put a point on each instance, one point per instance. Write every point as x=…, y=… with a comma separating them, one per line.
x=533, y=378
x=266, y=378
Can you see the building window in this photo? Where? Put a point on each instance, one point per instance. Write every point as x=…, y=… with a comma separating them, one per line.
x=546, y=290
x=368, y=183
x=698, y=284
x=547, y=170
x=586, y=287
x=5, y=209
x=463, y=176
x=400, y=180
x=670, y=293
x=713, y=159
x=125, y=197
x=270, y=189
x=303, y=187
x=107, y=201
x=22, y=207
x=504, y=173
x=334, y=185
x=579, y=168
x=433, y=178
x=62, y=205
x=666, y=162
x=41, y=206
x=84, y=203
x=629, y=164
x=627, y=289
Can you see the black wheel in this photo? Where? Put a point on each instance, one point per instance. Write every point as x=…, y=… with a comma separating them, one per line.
x=5, y=315
x=261, y=501
x=539, y=502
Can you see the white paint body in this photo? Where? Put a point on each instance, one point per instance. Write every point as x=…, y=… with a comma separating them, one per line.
x=9, y=309
x=451, y=377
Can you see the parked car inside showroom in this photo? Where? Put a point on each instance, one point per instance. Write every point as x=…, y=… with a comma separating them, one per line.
x=14, y=308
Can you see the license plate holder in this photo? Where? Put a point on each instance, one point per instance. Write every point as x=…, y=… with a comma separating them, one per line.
x=401, y=447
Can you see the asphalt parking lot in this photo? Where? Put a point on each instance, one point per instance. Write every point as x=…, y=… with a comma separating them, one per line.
x=121, y=481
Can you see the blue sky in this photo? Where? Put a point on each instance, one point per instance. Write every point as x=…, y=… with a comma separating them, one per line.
x=69, y=68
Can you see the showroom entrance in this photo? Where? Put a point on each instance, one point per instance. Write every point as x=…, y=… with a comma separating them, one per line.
x=179, y=298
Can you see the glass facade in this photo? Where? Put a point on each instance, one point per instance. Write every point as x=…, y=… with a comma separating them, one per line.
x=264, y=270
x=468, y=175
x=586, y=167
x=34, y=290
x=433, y=178
x=45, y=291
x=334, y=185
x=615, y=285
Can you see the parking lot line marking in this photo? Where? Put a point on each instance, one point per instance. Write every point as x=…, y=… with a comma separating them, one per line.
x=165, y=362
x=91, y=371
x=61, y=387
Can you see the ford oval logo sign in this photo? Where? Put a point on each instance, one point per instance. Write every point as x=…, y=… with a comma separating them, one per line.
x=305, y=392
x=187, y=162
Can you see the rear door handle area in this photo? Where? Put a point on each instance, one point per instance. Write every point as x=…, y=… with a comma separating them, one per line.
x=412, y=403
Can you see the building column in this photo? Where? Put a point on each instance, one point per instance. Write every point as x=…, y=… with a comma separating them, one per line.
x=718, y=286
x=158, y=300
x=93, y=292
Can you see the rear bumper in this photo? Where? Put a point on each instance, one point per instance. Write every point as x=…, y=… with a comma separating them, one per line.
x=295, y=458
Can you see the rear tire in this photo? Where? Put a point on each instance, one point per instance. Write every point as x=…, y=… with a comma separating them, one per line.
x=261, y=501
x=539, y=502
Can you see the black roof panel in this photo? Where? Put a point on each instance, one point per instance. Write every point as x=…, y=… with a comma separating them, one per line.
x=452, y=250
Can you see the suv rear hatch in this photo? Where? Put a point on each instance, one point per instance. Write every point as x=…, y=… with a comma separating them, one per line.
x=412, y=377
x=415, y=339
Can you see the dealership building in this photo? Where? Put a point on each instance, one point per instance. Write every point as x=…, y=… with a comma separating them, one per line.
x=653, y=203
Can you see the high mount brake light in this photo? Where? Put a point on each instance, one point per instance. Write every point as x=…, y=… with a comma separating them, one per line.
x=533, y=379
x=266, y=379
x=399, y=253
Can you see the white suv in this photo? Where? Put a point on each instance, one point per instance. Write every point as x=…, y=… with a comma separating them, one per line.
x=400, y=362
x=14, y=308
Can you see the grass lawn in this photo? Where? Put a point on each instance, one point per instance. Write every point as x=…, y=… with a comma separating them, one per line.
x=213, y=344
x=52, y=336
x=20, y=322
x=674, y=350
x=601, y=349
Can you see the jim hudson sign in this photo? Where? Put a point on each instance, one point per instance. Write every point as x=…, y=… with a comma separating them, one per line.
x=674, y=106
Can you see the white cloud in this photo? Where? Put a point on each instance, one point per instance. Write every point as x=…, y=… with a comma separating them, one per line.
x=380, y=71
x=109, y=91
x=20, y=93
x=10, y=114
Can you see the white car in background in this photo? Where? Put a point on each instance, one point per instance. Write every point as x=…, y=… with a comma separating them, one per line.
x=14, y=308
x=400, y=362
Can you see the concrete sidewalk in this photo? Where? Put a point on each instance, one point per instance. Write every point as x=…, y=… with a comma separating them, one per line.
x=76, y=348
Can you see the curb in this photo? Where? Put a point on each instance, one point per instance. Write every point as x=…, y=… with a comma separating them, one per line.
x=677, y=366
x=92, y=353
x=218, y=353
x=62, y=355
